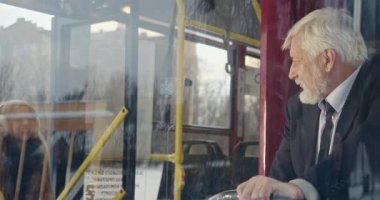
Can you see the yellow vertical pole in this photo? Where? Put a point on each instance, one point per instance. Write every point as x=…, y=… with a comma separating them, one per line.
x=178, y=155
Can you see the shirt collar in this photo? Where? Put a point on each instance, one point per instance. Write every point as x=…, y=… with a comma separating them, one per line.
x=338, y=96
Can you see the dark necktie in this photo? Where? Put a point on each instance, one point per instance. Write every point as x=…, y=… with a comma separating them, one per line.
x=327, y=132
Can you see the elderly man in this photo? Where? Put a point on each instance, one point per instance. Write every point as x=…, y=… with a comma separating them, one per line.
x=321, y=138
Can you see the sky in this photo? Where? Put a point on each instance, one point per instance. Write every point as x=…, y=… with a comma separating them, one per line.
x=10, y=14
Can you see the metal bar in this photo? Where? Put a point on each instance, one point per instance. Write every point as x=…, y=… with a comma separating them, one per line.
x=222, y=32
x=21, y=166
x=163, y=157
x=93, y=153
x=130, y=101
x=178, y=154
x=70, y=156
x=274, y=66
x=44, y=174
x=119, y=195
x=257, y=9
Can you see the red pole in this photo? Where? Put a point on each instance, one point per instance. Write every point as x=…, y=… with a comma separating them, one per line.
x=275, y=21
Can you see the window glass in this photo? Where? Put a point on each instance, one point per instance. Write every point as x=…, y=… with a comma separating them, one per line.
x=251, y=98
x=207, y=86
x=68, y=67
x=25, y=59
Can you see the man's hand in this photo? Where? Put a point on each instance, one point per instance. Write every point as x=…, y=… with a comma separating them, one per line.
x=262, y=187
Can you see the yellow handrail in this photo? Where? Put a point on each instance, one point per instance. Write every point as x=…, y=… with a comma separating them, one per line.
x=223, y=32
x=178, y=155
x=257, y=9
x=93, y=153
x=119, y=195
x=163, y=157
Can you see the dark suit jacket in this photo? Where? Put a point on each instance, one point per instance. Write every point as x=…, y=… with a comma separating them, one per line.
x=296, y=155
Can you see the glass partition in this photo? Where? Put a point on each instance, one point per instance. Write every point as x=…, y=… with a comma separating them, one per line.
x=68, y=67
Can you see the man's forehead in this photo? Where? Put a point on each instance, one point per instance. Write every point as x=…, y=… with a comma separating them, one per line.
x=295, y=47
x=293, y=52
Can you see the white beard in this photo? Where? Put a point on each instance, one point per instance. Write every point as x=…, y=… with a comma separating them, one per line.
x=318, y=87
x=309, y=97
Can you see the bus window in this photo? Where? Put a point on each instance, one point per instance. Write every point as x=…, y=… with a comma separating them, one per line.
x=207, y=96
x=251, y=98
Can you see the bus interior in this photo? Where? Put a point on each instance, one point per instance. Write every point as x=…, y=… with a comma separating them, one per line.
x=155, y=99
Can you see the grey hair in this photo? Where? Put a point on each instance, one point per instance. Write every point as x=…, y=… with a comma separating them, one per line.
x=329, y=28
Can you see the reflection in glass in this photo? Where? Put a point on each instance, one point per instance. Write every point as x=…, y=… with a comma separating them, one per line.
x=25, y=57
x=24, y=171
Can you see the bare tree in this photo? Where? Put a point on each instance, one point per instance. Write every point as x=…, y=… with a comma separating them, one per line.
x=6, y=81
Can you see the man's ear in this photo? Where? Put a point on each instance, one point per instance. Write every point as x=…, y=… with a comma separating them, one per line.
x=328, y=59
